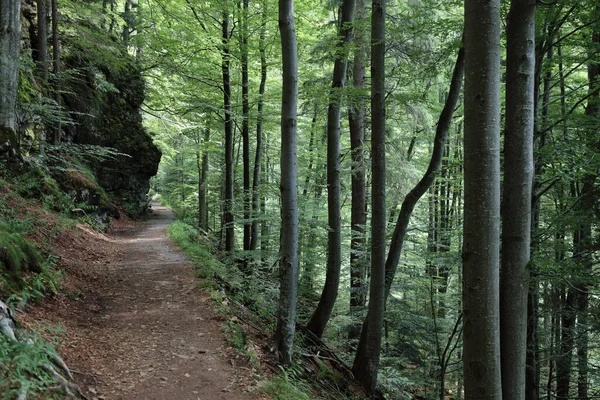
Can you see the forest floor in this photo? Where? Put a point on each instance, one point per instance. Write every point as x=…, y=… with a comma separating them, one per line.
x=136, y=325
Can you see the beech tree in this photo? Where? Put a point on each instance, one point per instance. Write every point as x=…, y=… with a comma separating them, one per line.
x=366, y=363
x=321, y=316
x=356, y=122
x=10, y=45
x=229, y=167
x=288, y=292
x=516, y=195
x=481, y=321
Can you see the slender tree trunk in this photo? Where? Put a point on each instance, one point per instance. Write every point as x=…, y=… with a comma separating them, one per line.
x=10, y=46
x=481, y=345
x=565, y=357
x=245, y=129
x=588, y=200
x=411, y=199
x=288, y=294
x=42, y=43
x=259, y=127
x=358, y=218
x=228, y=203
x=202, y=183
x=366, y=362
x=518, y=179
x=128, y=18
x=321, y=315
x=56, y=66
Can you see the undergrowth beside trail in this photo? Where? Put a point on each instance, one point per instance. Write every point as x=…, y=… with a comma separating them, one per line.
x=248, y=303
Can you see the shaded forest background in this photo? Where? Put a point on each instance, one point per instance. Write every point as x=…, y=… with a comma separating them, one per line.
x=206, y=77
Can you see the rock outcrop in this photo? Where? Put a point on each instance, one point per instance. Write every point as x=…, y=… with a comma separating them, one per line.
x=105, y=99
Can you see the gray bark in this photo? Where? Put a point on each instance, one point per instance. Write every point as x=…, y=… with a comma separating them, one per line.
x=321, y=315
x=366, y=362
x=481, y=347
x=516, y=201
x=56, y=66
x=10, y=45
x=42, y=42
x=202, y=183
x=415, y=194
x=259, y=128
x=228, y=201
x=245, y=128
x=288, y=294
x=358, y=218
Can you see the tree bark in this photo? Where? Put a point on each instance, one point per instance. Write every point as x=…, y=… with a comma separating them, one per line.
x=10, y=45
x=411, y=199
x=245, y=129
x=358, y=218
x=228, y=203
x=516, y=202
x=321, y=315
x=56, y=67
x=481, y=345
x=259, y=128
x=288, y=294
x=366, y=362
x=42, y=42
x=202, y=183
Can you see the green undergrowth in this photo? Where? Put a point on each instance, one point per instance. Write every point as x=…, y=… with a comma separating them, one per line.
x=246, y=296
x=23, y=366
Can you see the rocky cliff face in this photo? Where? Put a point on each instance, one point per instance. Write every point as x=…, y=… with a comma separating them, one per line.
x=105, y=99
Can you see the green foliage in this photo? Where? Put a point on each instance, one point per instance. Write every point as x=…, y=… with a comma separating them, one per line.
x=17, y=254
x=235, y=336
x=22, y=367
x=285, y=386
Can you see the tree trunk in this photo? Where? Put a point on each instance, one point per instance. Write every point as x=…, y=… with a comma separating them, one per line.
x=358, y=218
x=42, y=43
x=202, y=183
x=288, y=294
x=518, y=179
x=245, y=129
x=10, y=45
x=128, y=19
x=366, y=362
x=411, y=199
x=228, y=203
x=259, y=127
x=321, y=315
x=56, y=67
x=481, y=345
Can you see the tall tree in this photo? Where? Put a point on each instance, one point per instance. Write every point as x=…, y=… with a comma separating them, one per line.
x=245, y=125
x=288, y=292
x=10, y=45
x=358, y=218
x=516, y=200
x=228, y=202
x=320, y=317
x=481, y=346
x=366, y=362
x=411, y=199
x=259, y=126
x=42, y=42
x=56, y=65
x=202, y=166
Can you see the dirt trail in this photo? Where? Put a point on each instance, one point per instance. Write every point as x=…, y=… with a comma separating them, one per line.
x=146, y=331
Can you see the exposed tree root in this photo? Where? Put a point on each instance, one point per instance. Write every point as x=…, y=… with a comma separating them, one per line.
x=8, y=327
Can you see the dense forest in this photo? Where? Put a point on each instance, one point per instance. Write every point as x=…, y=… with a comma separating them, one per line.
x=411, y=185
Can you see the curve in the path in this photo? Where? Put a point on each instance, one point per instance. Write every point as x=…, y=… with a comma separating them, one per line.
x=161, y=339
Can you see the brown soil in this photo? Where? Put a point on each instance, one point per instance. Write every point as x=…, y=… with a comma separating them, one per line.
x=140, y=327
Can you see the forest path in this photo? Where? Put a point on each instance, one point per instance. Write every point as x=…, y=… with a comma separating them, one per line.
x=146, y=331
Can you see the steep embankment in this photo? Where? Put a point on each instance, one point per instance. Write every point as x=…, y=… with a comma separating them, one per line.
x=140, y=327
